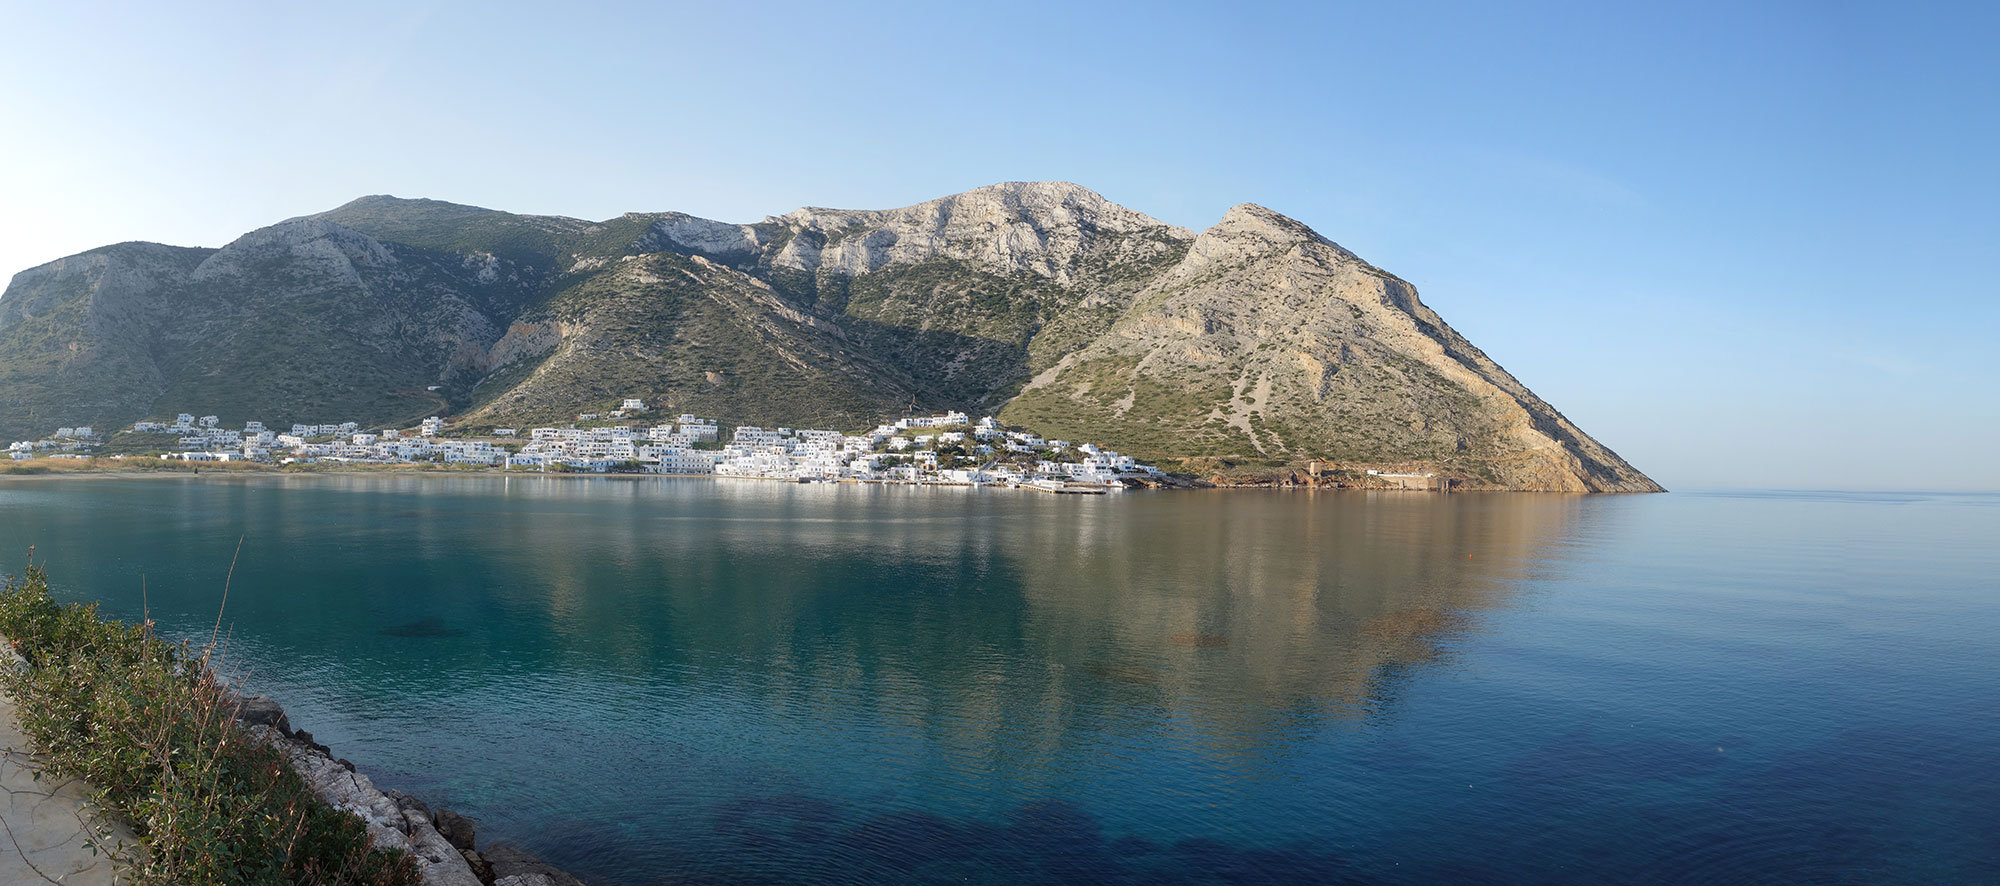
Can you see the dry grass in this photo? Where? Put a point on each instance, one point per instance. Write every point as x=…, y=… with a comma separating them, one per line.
x=151, y=728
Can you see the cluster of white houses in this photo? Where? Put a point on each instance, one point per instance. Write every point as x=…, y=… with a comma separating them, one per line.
x=948, y=448
x=944, y=449
x=64, y=443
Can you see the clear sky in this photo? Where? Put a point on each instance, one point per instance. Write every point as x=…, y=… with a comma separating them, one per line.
x=1743, y=244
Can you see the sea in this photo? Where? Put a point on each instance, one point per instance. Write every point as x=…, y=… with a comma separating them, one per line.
x=697, y=680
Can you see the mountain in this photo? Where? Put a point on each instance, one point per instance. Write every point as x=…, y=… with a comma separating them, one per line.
x=1256, y=344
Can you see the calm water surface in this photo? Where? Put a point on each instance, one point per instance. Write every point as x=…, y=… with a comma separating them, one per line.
x=683, y=680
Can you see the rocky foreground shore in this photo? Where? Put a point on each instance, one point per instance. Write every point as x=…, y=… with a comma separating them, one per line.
x=442, y=841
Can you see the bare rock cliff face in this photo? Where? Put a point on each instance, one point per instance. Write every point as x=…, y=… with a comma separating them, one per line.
x=76, y=333
x=1041, y=228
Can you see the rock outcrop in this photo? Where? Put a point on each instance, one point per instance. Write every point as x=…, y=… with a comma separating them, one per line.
x=1043, y=228
x=442, y=842
x=514, y=867
x=391, y=825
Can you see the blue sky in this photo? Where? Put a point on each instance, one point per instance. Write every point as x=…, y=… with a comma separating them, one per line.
x=1742, y=244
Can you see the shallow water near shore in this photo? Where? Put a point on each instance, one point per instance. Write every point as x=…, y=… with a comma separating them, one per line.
x=691, y=680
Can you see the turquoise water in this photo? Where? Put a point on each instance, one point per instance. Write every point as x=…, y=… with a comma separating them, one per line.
x=689, y=680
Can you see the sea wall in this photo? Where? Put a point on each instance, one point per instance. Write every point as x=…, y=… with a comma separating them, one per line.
x=443, y=842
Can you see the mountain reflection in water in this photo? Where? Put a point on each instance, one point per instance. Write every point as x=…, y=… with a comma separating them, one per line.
x=668, y=680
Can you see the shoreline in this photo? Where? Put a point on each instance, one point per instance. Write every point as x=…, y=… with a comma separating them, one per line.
x=66, y=829
x=444, y=842
x=1214, y=483
x=1287, y=481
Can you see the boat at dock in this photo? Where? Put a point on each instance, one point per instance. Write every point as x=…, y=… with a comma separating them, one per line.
x=1061, y=487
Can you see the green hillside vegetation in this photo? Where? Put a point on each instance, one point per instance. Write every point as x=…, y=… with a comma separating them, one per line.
x=75, y=336
x=675, y=331
x=149, y=725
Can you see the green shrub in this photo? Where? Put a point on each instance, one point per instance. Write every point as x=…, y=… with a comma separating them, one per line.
x=149, y=726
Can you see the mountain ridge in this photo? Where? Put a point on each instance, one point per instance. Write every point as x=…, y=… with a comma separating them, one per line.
x=1256, y=342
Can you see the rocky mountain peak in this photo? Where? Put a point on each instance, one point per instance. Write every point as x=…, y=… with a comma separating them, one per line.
x=381, y=201
x=1253, y=220
x=317, y=243
x=1041, y=228
x=408, y=207
x=1049, y=203
x=701, y=235
x=1248, y=232
x=94, y=261
x=76, y=272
